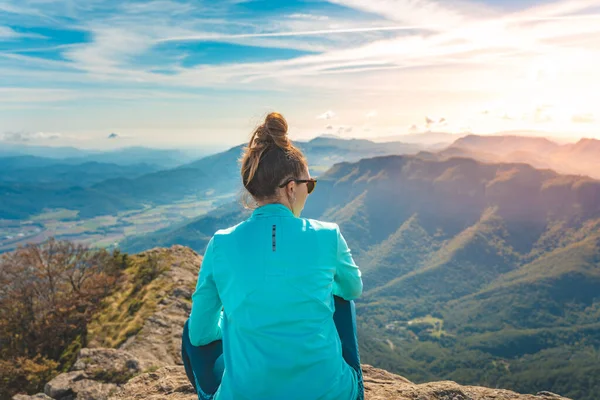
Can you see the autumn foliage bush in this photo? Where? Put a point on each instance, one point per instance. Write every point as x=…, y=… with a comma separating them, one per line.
x=48, y=295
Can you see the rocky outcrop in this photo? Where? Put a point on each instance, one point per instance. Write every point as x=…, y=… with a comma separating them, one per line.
x=159, y=341
x=171, y=383
x=129, y=373
x=96, y=362
x=100, y=372
x=78, y=385
x=96, y=375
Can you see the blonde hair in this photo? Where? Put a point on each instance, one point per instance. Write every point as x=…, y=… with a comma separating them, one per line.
x=270, y=158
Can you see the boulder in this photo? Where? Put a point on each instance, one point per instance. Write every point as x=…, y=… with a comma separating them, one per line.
x=88, y=389
x=78, y=385
x=39, y=396
x=61, y=386
x=107, y=361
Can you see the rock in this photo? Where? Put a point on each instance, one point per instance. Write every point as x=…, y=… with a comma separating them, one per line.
x=39, y=396
x=166, y=383
x=158, y=343
x=109, y=361
x=76, y=385
x=87, y=389
x=61, y=386
x=171, y=383
x=549, y=395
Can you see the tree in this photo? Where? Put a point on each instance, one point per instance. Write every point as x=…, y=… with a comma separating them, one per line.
x=48, y=294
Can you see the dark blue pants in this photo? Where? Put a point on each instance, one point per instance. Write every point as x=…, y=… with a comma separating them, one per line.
x=204, y=364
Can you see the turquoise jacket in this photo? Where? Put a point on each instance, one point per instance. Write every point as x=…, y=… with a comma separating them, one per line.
x=274, y=276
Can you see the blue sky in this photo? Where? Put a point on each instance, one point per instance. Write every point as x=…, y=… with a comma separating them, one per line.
x=187, y=73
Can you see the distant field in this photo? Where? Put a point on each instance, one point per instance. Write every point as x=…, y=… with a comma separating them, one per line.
x=102, y=231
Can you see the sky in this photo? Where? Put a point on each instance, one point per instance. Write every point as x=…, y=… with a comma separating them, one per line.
x=166, y=73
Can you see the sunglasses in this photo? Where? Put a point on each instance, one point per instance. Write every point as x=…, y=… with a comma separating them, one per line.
x=310, y=183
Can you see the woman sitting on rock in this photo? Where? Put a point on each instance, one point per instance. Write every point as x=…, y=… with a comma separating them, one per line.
x=272, y=314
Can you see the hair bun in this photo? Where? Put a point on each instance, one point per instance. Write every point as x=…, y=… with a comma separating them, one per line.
x=274, y=130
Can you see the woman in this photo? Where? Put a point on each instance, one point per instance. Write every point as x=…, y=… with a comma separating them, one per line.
x=272, y=315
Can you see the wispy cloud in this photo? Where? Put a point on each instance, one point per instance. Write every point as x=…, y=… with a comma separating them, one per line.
x=326, y=115
x=26, y=95
x=346, y=49
x=441, y=15
x=456, y=34
x=25, y=137
x=584, y=118
x=320, y=32
x=7, y=33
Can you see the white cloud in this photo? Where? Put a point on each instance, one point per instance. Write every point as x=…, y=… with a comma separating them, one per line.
x=326, y=115
x=416, y=48
x=158, y=6
x=371, y=114
x=583, y=118
x=317, y=32
x=7, y=33
x=329, y=127
x=439, y=15
x=541, y=114
x=464, y=38
x=27, y=95
x=23, y=137
x=312, y=17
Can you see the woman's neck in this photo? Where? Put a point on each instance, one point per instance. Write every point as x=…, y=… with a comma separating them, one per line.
x=273, y=201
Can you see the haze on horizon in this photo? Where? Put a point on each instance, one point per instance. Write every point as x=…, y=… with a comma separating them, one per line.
x=166, y=73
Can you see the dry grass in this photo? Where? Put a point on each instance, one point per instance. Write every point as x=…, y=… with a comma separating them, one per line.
x=143, y=286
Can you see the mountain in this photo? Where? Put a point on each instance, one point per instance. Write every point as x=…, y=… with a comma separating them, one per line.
x=165, y=158
x=506, y=144
x=486, y=274
x=123, y=187
x=499, y=261
x=213, y=175
x=323, y=152
x=429, y=139
x=20, y=201
x=220, y=173
x=572, y=158
x=8, y=149
x=38, y=170
x=134, y=345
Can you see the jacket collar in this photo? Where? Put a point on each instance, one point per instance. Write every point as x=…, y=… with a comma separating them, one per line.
x=273, y=209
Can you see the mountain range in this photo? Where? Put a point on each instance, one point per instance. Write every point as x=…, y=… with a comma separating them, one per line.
x=39, y=170
x=581, y=158
x=96, y=189
x=437, y=140
x=481, y=262
x=165, y=158
x=481, y=273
